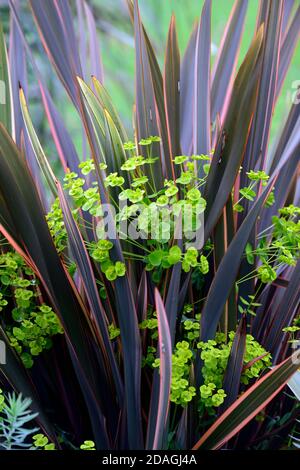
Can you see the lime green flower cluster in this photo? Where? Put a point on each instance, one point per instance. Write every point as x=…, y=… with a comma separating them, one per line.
x=88, y=445
x=212, y=397
x=12, y=279
x=3, y=302
x=99, y=251
x=192, y=328
x=11, y=266
x=215, y=354
x=28, y=327
x=280, y=247
x=133, y=163
x=145, y=201
x=34, y=332
x=293, y=330
x=87, y=200
x=167, y=257
x=151, y=323
x=87, y=166
x=56, y=226
x=181, y=391
x=41, y=442
x=187, y=164
x=252, y=352
x=266, y=273
x=150, y=356
x=250, y=193
x=113, y=331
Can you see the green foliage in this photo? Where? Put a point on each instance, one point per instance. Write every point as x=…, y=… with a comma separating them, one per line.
x=57, y=226
x=181, y=391
x=15, y=414
x=279, y=247
x=114, y=332
x=41, y=442
x=88, y=445
x=215, y=354
x=29, y=324
x=102, y=286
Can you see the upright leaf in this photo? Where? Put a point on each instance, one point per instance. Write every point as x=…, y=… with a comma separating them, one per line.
x=232, y=140
x=233, y=372
x=172, y=94
x=201, y=101
x=165, y=374
x=225, y=64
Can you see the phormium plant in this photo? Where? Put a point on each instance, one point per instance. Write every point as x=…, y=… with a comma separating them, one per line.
x=152, y=284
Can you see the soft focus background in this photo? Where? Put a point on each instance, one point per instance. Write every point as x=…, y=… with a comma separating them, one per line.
x=116, y=42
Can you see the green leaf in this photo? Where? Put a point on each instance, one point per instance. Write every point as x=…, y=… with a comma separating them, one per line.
x=174, y=255
x=155, y=258
x=37, y=148
x=249, y=253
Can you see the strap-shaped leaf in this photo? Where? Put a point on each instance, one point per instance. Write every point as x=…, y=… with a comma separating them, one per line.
x=260, y=129
x=201, y=101
x=233, y=137
x=37, y=148
x=248, y=405
x=95, y=54
x=172, y=94
x=165, y=374
x=30, y=232
x=85, y=270
x=187, y=80
x=55, y=25
x=64, y=144
x=225, y=64
x=229, y=266
x=232, y=377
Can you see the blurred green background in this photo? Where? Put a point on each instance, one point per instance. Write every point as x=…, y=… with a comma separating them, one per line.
x=116, y=41
x=116, y=38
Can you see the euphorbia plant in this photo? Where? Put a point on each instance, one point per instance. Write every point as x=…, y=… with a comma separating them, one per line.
x=166, y=343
